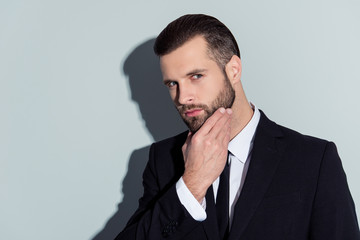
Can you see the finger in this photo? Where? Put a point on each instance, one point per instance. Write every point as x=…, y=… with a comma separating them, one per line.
x=188, y=138
x=225, y=144
x=224, y=134
x=187, y=141
x=218, y=129
x=211, y=121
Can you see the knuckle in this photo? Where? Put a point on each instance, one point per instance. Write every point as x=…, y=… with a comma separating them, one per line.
x=195, y=140
x=183, y=148
x=208, y=143
x=216, y=146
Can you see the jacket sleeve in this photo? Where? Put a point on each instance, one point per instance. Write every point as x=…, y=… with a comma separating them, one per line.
x=160, y=214
x=333, y=214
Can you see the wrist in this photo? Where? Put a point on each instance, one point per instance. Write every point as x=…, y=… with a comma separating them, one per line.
x=197, y=189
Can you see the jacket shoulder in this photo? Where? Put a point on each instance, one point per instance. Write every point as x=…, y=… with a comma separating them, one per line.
x=297, y=136
x=293, y=142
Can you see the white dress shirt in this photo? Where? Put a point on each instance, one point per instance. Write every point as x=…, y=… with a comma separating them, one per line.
x=240, y=148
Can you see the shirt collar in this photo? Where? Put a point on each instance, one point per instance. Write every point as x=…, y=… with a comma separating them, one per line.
x=241, y=144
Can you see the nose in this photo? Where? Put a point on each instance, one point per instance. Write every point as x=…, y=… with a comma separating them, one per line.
x=185, y=94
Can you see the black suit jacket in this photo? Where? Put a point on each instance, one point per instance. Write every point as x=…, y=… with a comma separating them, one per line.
x=295, y=188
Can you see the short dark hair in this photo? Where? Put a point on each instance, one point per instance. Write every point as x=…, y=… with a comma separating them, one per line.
x=221, y=43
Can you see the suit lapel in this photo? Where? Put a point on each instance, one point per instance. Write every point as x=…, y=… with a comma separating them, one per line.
x=264, y=161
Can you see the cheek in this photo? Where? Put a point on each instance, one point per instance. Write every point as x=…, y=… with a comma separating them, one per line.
x=209, y=92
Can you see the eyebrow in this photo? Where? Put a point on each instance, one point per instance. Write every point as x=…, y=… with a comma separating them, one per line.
x=195, y=71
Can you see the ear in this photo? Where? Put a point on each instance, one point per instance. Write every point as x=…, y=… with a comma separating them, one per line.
x=233, y=69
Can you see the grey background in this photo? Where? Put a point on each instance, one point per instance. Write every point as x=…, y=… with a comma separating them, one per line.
x=81, y=98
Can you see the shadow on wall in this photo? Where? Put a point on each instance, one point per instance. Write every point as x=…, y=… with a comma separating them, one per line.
x=161, y=120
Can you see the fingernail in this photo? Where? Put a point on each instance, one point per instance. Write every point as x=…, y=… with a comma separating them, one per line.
x=222, y=110
x=229, y=111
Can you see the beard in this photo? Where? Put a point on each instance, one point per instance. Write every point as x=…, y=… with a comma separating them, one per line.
x=224, y=99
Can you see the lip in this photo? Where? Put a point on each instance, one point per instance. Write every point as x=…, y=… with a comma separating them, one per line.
x=193, y=112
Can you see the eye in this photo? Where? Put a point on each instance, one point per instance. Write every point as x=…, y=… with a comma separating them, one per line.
x=171, y=84
x=196, y=76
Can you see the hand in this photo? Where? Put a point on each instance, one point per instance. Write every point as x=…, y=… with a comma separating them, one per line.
x=205, y=153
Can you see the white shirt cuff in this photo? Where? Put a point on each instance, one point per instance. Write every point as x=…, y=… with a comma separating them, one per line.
x=196, y=210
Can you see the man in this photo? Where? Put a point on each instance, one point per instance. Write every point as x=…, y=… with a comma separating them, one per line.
x=235, y=174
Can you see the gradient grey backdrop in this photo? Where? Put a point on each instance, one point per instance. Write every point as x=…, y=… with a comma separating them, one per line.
x=81, y=98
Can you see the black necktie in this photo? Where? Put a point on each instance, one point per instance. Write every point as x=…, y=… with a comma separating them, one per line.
x=222, y=202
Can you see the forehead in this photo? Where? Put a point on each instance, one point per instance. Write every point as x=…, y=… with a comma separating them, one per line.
x=192, y=54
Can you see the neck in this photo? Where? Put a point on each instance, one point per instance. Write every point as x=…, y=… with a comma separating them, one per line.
x=242, y=114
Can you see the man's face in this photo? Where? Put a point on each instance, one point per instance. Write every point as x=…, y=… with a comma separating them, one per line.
x=196, y=83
